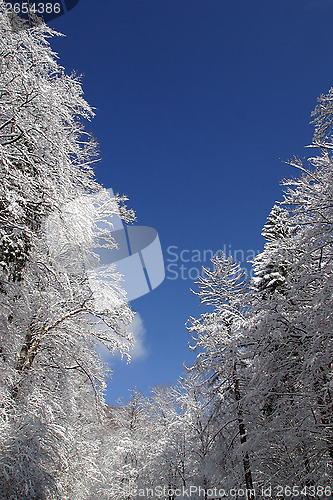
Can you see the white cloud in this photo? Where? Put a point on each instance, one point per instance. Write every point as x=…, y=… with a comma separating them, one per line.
x=139, y=350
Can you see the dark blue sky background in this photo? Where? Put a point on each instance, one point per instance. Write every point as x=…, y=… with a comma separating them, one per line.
x=197, y=102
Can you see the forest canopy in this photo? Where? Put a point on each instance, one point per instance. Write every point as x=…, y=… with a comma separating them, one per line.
x=254, y=413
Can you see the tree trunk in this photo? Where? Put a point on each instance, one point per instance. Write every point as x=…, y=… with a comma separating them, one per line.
x=27, y=354
x=325, y=404
x=250, y=494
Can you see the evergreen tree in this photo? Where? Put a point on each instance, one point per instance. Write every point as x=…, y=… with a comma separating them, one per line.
x=271, y=267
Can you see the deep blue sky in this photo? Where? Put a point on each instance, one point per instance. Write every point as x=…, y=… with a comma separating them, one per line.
x=197, y=102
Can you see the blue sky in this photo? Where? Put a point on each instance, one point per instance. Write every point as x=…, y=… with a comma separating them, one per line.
x=197, y=104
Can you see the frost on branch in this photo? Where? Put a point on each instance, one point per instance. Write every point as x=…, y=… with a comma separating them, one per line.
x=53, y=308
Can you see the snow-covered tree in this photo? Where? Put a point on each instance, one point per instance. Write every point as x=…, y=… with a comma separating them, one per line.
x=271, y=267
x=291, y=324
x=54, y=304
x=219, y=338
x=45, y=154
x=126, y=439
x=208, y=434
